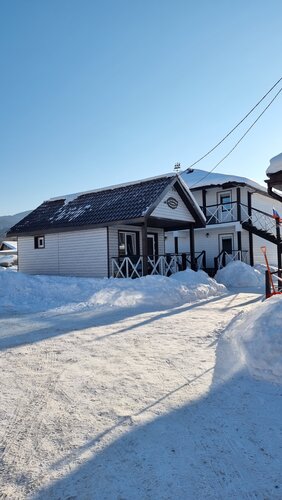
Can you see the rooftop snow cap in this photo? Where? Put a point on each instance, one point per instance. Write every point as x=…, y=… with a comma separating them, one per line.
x=275, y=165
x=196, y=179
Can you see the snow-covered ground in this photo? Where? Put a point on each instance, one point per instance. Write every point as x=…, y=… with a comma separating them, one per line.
x=161, y=388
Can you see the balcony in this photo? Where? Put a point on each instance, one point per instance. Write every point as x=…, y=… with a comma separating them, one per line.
x=222, y=213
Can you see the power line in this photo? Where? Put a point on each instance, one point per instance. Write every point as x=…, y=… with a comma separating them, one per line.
x=241, y=138
x=237, y=125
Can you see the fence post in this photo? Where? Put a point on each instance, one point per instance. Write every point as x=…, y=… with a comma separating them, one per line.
x=204, y=260
x=267, y=285
x=184, y=262
x=279, y=248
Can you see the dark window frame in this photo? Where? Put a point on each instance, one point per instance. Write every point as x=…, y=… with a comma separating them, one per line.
x=37, y=240
x=137, y=235
x=225, y=236
x=225, y=206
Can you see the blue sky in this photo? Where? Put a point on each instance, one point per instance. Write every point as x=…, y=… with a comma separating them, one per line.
x=97, y=93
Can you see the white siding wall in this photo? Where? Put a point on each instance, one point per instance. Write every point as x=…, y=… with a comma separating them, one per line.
x=41, y=260
x=270, y=248
x=76, y=253
x=246, y=244
x=210, y=244
x=212, y=197
x=183, y=241
x=266, y=204
x=198, y=197
x=83, y=253
x=165, y=212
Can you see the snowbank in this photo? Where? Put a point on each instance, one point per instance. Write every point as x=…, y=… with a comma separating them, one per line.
x=237, y=274
x=199, y=282
x=26, y=293
x=254, y=342
x=7, y=260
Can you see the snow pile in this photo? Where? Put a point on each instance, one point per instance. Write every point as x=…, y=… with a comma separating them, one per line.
x=254, y=342
x=37, y=293
x=237, y=274
x=199, y=282
x=275, y=165
x=7, y=260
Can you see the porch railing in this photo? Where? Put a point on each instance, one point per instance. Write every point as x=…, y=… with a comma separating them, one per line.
x=223, y=258
x=132, y=266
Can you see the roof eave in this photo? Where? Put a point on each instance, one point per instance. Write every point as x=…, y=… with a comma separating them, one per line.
x=65, y=229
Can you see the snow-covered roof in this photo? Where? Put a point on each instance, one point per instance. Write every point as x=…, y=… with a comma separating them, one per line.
x=275, y=165
x=125, y=202
x=197, y=178
x=68, y=198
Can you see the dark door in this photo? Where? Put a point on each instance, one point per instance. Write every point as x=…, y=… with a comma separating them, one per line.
x=227, y=244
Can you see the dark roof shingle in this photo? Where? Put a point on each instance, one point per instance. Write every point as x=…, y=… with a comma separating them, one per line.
x=119, y=203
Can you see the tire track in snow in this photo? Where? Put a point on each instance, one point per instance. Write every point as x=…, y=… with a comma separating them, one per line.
x=25, y=427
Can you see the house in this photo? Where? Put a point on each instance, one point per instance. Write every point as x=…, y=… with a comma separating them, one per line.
x=239, y=220
x=117, y=231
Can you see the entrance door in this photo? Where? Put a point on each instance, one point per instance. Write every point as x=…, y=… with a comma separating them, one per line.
x=227, y=246
x=152, y=248
x=151, y=245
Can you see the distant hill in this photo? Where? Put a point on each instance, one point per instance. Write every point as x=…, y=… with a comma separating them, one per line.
x=7, y=221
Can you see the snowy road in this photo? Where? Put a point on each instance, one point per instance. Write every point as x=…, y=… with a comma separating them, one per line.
x=117, y=406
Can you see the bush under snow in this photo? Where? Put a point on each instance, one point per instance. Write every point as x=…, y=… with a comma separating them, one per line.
x=37, y=293
x=237, y=274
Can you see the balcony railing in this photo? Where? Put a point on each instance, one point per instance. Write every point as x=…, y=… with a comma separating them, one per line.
x=261, y=220
x=235, y=211
x=132, y=266
x=219, y=214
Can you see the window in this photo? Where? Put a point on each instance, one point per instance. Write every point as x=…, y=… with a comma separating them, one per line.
x=126, y=243
x=225, y=201
x=39, y=242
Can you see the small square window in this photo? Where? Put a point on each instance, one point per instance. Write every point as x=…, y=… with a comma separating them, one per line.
x=39, y=242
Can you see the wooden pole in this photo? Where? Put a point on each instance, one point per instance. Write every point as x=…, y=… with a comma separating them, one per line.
x=192, y=249
x=145, y=249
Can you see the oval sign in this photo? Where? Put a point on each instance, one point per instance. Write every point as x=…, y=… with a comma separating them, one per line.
x=172, y=202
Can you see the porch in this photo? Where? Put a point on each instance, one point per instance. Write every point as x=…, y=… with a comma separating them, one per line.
x=136, y=266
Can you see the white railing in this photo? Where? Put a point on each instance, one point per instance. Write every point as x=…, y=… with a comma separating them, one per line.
x=218, y=214
x=259, y=219
x=127, y=267
x=224, y=257
x=132, y=267
x=162, y=265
